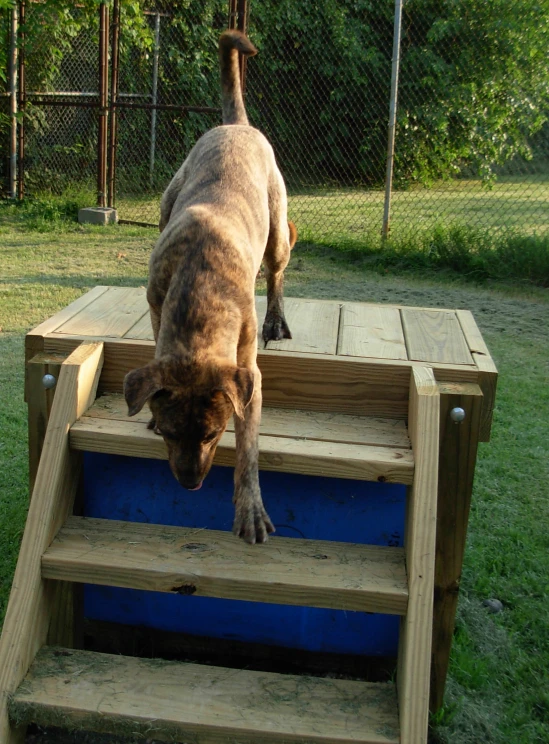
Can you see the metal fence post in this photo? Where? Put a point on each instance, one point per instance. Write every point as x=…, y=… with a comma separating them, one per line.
x=103, y=104
x=13, y=103
x=154, y=94
x=392, y=118
x=239, y=11
x=113, y=121
x=22, y=103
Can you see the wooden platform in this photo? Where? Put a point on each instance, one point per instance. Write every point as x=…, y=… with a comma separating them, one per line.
x=344, y=357
x=363, y=392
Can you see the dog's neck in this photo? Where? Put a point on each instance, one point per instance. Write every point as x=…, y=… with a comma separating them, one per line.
x=215, y=338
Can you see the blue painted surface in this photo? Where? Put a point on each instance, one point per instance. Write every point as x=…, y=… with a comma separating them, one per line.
x=142, y=490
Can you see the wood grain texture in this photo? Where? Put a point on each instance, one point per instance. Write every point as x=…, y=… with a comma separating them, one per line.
x=290, y=571
x=173, y=701
x=39, y=403
x=285, y=454
x=414, y=652
x=457, y=460
x=488, y=374
x=112, y=314
x=142, y=329
x=29, y=608
x=434, y=336
x=297, y=380
x=37, y=335
x=314, y=326
x=371, y=331
x=281, y=422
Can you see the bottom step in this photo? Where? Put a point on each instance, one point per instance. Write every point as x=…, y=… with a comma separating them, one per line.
x=172, y=701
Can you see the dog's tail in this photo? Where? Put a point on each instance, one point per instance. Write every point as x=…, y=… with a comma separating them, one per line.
x=230, y=44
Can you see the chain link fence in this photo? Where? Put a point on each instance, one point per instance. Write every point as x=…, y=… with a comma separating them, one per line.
x=471, y=137
x=60, y=99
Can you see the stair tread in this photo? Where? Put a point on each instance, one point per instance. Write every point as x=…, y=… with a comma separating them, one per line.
x=214, y=563
x=168, y=700
x=310, y=443
x=322, y=425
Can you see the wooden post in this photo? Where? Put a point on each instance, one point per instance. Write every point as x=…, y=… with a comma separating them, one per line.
x=29, y=612
x=457, y=458
x=39, y=403
x=414, y=648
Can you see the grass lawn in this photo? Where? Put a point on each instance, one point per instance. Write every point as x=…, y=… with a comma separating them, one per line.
x=353, y=214
x=498, y=690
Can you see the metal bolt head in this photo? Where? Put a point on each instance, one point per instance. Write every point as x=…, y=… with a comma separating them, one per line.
x=457, y=415
x=49, y=382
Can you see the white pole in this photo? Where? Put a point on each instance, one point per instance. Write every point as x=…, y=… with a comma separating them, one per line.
x=392, y=118
x=154, y=94
x=13, y=104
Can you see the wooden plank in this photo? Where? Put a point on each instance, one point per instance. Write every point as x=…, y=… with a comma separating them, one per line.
x=28, y=613
x=457, y=460
x=110, y=315
x=34, y=340
x=142, y=329
x=314, y=325
x=488, y=374
x=371, y=331
x=171, y=701
x=308, y=457
x=432, y=336
x=396, y=305
x=211, y=563
x=304, y=381
x=39, y=403
x=281, y=422
x=414, y=652
x=52, y=324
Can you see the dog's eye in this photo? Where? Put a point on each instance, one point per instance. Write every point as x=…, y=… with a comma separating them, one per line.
x=210, y=437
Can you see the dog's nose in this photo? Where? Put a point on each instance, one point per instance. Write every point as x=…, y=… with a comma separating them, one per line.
x=191, y=484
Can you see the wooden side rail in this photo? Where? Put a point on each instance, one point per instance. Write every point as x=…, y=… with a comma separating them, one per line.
x=414, y=651
x=29, y=610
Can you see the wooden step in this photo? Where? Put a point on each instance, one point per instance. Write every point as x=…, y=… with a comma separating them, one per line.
x=171, y=701
x=212, y=563
x=311, y=443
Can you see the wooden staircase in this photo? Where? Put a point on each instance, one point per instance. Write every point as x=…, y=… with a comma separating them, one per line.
x=55, y=685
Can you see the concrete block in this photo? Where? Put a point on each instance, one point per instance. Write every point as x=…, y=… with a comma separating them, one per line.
x=97, y=215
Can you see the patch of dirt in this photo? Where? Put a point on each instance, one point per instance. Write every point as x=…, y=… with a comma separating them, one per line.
x=495, y=310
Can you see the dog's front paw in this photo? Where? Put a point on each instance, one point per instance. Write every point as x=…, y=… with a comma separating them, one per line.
x=252, y=522
x=275, y=328
x=152, y=425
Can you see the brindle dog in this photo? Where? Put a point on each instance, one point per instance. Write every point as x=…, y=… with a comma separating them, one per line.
x=224, y=211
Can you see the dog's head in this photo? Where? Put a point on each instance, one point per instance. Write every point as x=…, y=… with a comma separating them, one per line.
x=191, y=405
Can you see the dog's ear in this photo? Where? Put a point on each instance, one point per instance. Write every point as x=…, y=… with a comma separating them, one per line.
x=293, y=233
x=238, y=386
x=141, y=384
